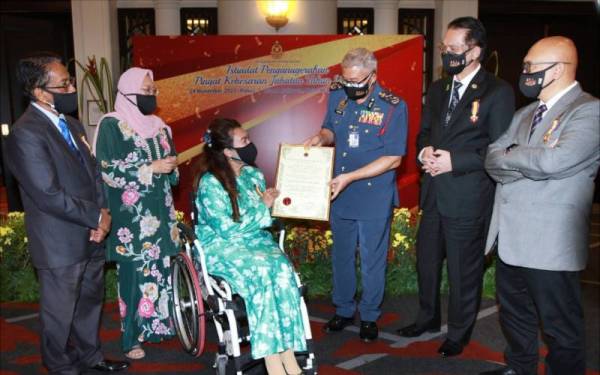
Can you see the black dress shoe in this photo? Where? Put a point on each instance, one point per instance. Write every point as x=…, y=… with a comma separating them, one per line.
x=413, y=330
x=450, y=348
x=368, y=331
x=337, y=323
x=500, y=371
x=109, y=366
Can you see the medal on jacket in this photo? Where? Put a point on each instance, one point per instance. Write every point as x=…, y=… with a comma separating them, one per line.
x=474, y=111
x=353, y=137
x=341, y=106
x=553, y=127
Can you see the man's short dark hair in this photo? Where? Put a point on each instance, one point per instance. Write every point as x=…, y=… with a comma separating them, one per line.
x=476, y=34
x=33, y=71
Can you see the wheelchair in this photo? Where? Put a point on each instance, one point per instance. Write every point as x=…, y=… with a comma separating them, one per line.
x=198, y=296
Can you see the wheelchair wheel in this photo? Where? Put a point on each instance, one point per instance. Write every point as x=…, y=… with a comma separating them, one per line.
x=188, y=305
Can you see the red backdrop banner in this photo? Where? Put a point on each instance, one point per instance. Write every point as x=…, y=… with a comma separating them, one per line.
x=276, y=86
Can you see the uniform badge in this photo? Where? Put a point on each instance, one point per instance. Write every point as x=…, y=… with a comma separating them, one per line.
x=335, y=86
x=341, y=106
x=474, y=111
x=389, y=98
x=371, y=118
x=371, y=103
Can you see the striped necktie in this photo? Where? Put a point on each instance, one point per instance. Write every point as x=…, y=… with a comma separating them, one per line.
x=453, y=101
x=537, y=118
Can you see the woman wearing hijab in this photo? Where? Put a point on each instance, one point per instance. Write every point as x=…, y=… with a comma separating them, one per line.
x=138, y=164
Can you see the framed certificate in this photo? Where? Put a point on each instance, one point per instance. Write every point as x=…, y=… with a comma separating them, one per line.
x=303, y=176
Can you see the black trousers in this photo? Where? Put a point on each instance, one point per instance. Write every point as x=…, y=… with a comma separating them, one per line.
x=461, y=241
x=529, y=297
x=70, y=308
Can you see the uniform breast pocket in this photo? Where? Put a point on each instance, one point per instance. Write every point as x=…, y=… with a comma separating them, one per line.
x=369, y=137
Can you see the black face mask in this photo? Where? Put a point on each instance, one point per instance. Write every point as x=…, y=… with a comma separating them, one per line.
x=145, y=103
x=247, y=153
x=454, y=63
x=359, y=90
x=64, y=103
x=532, y=84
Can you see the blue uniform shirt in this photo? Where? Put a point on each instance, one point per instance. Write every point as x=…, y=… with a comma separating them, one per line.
x=363, y=133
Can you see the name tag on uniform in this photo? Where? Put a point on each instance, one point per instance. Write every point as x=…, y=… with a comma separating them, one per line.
x=371, y=117
x=353, y=139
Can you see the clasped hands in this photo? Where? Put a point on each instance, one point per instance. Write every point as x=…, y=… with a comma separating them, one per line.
x=97, y=235
x=165, y=165
x=436, y=162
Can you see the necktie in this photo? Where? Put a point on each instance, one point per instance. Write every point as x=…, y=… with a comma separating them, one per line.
x=537, y=118
x=64, y=130
x=453, y=101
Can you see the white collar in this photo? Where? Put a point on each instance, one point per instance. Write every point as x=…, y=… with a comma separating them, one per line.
x=51, y=115
x=557, y=96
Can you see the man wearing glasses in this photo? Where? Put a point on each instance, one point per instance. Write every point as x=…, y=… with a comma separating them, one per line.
x=66, y=217
x=463, y=113
x=545, y=167
x=368, y=126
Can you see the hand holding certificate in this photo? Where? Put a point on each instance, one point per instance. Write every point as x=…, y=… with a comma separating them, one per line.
x=303, y=177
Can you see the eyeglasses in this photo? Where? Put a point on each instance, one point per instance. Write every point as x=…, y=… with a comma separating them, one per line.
x=526, y=67
x=65, y=84
x=346, y=83
x=453, y=48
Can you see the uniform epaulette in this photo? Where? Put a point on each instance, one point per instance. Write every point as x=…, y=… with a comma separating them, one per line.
x=335, y=86
x=389, y=97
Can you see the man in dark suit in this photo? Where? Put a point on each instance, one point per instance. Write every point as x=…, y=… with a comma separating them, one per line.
x=66, y=218
x=463, y=113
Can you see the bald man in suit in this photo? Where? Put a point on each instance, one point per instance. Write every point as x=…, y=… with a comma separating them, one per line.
x=545, y=166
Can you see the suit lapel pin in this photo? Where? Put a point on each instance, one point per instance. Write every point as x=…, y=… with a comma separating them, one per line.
x=474, y=111
x=447, y=87
x=474, y=86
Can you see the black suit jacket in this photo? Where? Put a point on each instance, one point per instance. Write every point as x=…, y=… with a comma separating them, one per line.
x=467, y=191
x=61, y=195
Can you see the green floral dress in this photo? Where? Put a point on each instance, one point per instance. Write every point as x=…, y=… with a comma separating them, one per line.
x=245, y=255
x=144, y=229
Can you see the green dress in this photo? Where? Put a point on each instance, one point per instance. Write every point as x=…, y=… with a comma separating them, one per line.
x=245, y=255
x=144, y=229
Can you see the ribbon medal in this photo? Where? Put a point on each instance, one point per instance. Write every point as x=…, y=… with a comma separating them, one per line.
x=474, y=111
x=371, y=118
x=548, y=134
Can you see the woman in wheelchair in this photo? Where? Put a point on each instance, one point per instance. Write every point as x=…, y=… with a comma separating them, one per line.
x=233, y=210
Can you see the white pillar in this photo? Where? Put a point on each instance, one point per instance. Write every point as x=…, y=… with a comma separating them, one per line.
x=446, y=11
x=95, y=33
x=386, y=17
x=304, y=17
x=167, y=17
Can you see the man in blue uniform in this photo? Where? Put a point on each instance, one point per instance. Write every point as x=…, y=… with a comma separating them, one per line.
x=368, y=126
